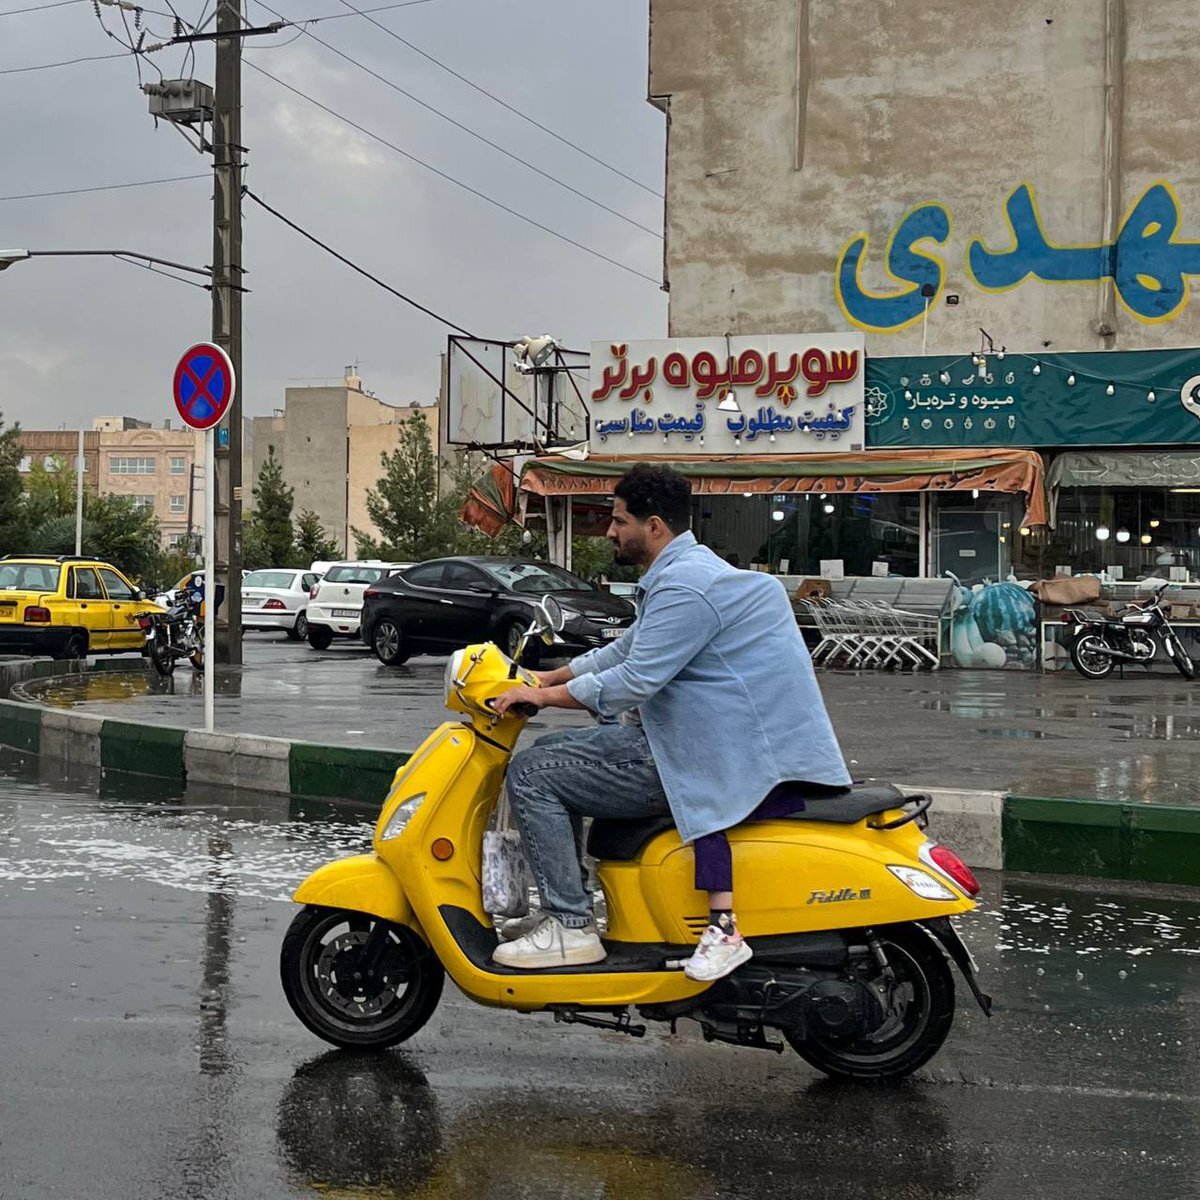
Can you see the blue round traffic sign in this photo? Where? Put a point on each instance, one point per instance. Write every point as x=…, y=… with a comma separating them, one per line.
x=204, y=385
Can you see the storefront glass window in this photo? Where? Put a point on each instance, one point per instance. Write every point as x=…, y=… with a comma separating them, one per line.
x=792, y=534
x=1141, y=531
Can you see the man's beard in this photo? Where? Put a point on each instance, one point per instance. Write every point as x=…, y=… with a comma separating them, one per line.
x=630, y=556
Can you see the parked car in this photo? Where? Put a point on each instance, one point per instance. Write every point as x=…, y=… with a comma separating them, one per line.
x=446, y=603
x=68, y=607
x=335, y=601
x=277, y=598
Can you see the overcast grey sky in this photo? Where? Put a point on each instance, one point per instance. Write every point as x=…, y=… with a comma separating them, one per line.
x=80, y=337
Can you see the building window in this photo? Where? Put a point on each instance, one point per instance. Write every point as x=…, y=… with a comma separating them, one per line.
x=143, y=502
x=178, y=504
x=175, y=540
x=178, y=464
x=119, y=465
x=50, y=462
x=25, y=463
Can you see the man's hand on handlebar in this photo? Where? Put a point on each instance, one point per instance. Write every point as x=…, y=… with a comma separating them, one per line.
x=523, y=696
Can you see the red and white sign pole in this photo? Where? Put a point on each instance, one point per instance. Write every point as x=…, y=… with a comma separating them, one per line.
x=204, y=387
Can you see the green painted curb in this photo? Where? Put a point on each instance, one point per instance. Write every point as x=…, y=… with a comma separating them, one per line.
x=142, y=749
x=345, y=772
x=20, y=726
x=1155, y=843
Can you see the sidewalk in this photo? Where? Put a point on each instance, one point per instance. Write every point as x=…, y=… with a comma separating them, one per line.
x=1126, y=741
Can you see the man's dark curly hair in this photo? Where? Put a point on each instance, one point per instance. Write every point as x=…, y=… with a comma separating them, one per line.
x=650, y=491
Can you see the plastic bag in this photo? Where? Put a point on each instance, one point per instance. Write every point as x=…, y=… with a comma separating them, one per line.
x=506, y=874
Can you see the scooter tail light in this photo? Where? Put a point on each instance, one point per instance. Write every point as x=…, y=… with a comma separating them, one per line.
x=1068, y=617
x=948, y=862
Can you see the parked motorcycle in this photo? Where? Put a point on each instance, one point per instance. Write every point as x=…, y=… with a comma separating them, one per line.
x=175, y=634
x=1099, y=643
x=847, y=905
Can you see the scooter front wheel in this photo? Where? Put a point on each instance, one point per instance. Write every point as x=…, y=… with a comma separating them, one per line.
x=917, y=1020
x=357, y=981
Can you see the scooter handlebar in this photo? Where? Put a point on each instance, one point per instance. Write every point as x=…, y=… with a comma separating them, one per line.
x=521, y=709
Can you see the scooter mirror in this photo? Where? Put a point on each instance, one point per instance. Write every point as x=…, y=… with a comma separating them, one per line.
x=553, y=617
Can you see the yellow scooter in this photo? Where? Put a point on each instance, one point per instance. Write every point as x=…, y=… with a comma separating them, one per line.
x=847, y=906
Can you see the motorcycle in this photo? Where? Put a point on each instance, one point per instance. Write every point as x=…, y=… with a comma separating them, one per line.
x=175, y=634
x=847, y=905
x=1099, y=643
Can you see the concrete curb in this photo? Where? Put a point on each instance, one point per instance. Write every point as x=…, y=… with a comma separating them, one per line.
x=234, y=760
x=989, y=829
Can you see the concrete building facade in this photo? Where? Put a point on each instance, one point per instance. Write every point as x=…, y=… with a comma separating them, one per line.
x=924, y=171
x=329, y=440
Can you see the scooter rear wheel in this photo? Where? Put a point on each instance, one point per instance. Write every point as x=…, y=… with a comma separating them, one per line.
x=1090, y=658
x=336, y=994
x=161, y=656
x=915, y=1026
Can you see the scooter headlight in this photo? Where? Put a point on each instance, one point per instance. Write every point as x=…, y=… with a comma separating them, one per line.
x=452, y=669
x=401, y=817
x=922, y=883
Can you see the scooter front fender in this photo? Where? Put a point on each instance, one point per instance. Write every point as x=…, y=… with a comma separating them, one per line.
x=364, y=883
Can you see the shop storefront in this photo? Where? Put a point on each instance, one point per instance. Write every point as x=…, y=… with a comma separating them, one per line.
x=996, y=470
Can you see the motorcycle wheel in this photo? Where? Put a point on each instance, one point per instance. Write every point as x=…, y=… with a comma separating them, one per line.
x=319, y=968
x=161, y=656
x=916, y=1025
x=196, y=658
x=1088, y=657
x=1182, y=660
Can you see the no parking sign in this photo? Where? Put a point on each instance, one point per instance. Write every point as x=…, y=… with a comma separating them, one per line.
x=204, y=385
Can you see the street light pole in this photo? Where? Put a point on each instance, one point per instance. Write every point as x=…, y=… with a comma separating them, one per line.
x=227, y=315
x=8, y=257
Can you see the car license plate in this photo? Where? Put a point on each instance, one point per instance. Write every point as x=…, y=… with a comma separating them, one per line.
x=345, y=612
x=609, y=634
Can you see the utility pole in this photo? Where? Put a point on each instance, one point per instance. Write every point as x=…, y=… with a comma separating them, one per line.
x=227, y=318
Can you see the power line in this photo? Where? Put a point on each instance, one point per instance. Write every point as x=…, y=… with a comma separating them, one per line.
x=562, y=237
x=69, y=62
x=16, y=12
x=471, y=132
x=503, y=103
x=108, y=187
x=354, y=266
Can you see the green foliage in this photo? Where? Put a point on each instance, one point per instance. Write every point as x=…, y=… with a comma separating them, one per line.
x=267, y=535
x=413, y=520
x=13, y=523
x=114, y=531
x=312, y=543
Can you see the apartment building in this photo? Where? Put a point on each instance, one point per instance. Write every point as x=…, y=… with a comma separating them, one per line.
x=329, y=440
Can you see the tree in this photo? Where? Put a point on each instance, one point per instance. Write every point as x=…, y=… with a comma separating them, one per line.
x=413, y=520
x=312, y=543
x=267, y=540
x=13, y=523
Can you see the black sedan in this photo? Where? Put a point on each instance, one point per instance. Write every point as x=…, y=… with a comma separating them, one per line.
x=446, y=603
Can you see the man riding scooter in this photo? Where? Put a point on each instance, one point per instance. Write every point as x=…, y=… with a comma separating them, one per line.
x=717, y=705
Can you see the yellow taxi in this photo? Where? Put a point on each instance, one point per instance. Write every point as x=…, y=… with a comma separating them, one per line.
x=67, y=606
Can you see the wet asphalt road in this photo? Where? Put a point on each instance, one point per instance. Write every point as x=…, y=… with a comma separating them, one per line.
x=1132, y=740
x=146, y=1050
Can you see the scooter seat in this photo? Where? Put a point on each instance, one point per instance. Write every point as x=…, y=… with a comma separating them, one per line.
x=622, y=840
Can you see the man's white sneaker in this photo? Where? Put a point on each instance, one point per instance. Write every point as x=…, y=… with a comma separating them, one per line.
x=717, y=955
x=551, y=945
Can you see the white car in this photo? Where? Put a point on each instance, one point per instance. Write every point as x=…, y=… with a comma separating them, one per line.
x=277, y=598
x=335, y=603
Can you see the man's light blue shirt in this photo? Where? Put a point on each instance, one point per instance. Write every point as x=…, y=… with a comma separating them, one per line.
x=724, y=684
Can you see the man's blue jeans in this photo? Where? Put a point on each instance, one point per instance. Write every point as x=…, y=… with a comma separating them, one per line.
x=602, y=771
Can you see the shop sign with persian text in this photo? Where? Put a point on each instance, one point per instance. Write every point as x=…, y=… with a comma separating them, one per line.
x=774, y=394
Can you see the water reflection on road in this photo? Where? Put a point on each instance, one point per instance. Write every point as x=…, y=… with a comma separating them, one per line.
x=141, y=1012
